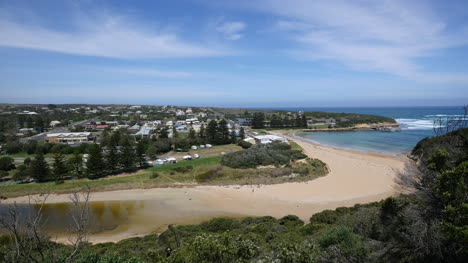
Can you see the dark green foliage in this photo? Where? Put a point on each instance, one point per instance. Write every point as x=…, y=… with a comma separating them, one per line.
x=244, y=144
x=262, y=154
x=95, y=166
x=75, y=165
x=3, y=173
x=291, y=220
x=140, y=152
x=258, y=121
x=220, y=225
x=209, y=175
x=39, y=167
x=7, y=164
x=342, y=243
x=59, y=169
x=154, y=175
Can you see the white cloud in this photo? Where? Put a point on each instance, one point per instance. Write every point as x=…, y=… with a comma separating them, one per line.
x=381, y=36
x=148, y=72
x=102, y=35
x=231, y=30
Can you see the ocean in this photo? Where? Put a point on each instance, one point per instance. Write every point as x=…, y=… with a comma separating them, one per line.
x=416, y=123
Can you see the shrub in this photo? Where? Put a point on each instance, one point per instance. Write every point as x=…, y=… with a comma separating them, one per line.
x=59, y=182
x=154, y=175
x=343, y=238
x=3, y=173
x=7, y=164
x=275, y=153
x=244, y=144
x=220, y=225
x=209, y=175
x=291, y=220
x=301, y=170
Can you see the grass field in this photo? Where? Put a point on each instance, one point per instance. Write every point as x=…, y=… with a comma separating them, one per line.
x=167, y=177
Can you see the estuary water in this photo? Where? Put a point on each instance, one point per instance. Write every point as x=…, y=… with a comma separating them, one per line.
x=416, y=123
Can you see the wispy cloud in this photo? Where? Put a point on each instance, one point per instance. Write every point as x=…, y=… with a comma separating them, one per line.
x=381, y=36
x=103, y=35
x=231, y=30
x=149, y=72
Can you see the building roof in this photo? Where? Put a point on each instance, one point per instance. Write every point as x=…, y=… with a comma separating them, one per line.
x=69, y=134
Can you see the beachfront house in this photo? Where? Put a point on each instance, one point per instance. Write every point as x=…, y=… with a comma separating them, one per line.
x=69, y=137
x=264, y=139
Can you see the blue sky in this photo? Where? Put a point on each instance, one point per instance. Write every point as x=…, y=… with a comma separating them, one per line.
x=235, y=53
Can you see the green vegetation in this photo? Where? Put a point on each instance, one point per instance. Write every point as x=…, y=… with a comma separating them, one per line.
x=205, y=170
x=429, y=225
x=262, y=154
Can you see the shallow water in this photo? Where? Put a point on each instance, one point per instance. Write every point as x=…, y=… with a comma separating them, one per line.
x=114, y=220
x=416, y=124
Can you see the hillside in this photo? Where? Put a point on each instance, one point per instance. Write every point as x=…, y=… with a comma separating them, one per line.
x=429, y=225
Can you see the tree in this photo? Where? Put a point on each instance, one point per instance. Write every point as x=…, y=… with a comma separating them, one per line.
x=174, y=132
x=127, y=157
x=451, y=188
x=298, y=121
x=59, y=168
x=212, y=132
x=275, y=121
x=242, y=133
x=7, y=164
x=304, y=121
x=112, y=159
x=39, y=167
x=75, y=165
x=152, y=151
x=95, y=166
x=163, y=133
x=223, y=132
x=192, y=134
x=140, y=155
x=202, y=133
x=258, y=120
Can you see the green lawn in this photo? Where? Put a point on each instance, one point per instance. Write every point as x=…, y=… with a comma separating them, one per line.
x=167, y=177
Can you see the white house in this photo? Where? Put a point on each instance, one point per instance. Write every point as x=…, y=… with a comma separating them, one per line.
x=269, y=139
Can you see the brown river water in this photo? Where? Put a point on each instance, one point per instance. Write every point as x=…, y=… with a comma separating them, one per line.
x=116, y=220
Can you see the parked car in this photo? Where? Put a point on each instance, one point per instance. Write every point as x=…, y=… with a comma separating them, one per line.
x=208, y=145
x=187, y=157
x=171, y=160
x=196, y=155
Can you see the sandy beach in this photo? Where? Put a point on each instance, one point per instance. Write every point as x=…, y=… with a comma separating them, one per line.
x=355, y=177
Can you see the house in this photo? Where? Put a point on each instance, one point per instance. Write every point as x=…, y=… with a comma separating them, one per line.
x=244, y=121
x=144, y=131
x=26, y=130
x=112, y=123
x=54, y=123
x=264, y=139
x=135, y=127
x=69, y=137
x=102, y=127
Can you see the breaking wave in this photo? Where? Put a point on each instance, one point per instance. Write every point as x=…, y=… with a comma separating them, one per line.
x=416, y=124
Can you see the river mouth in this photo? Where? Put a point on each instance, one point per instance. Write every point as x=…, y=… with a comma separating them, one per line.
x=111, y=221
